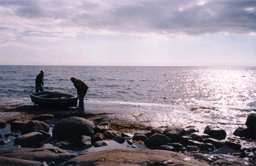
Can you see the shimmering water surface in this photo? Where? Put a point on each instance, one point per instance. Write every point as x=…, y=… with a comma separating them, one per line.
x=159, y=96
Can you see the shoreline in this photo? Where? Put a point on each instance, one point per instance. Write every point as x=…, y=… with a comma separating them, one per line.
x=29, y=112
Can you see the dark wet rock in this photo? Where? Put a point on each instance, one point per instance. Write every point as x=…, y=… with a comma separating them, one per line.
x=10, y=135
x=101, y=143
x=185, y=139
x=176, y=146
x=221, y=160
x=1, y=136
x=129, y=142
x=34, y=125
x=153, y=131
x=17, y=125
x=19, y=162
x=156, y=140
x=209, y=146
x=86, y=141
x=139, y=137
x=127, y=136
x=3, y=142
x=40, y=154
x=167, y=147
x=215, y=132
x=119, y=139
x=174, y=133
x=46, y=135
x=199, y=136
x=216, y=143
x=200, y=145
x=44, y=117
x=192, y=148
x=72, y=128
x=33, y=139
x=251, y=120
x=250, y=132
x=3, y=124
x=110, y=134
x=233, y=145
x=241, y=132
x=97, y=137
x=134, y=157
x=101, y=128
x=190, y=131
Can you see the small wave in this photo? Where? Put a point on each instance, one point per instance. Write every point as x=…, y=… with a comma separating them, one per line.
x=110, y=86
x=121, y=92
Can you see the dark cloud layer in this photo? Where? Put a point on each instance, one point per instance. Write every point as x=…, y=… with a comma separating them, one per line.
x=165, y=17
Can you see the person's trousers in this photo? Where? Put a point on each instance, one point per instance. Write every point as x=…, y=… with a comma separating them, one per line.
x=81, y=101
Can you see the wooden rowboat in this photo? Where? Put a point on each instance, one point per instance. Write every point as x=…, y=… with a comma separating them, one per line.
x=53, y=99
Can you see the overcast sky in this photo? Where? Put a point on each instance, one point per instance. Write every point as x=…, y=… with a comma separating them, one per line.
x=128, y=32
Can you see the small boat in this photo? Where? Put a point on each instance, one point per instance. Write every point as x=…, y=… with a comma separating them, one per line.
x=53, y=99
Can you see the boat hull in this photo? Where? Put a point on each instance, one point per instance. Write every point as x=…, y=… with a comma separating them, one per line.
x=53, y=99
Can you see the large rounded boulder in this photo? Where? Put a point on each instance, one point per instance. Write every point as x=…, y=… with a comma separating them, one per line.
x=72, y=128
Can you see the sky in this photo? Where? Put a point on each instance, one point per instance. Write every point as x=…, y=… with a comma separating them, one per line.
x=128, y=32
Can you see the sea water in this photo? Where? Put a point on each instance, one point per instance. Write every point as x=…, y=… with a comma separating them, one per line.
x=158, y=96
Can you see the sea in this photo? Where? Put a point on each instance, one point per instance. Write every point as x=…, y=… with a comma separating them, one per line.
x=157, y=96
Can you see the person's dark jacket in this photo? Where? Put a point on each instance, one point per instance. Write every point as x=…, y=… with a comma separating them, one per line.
x=81, y=87
x=39, y=80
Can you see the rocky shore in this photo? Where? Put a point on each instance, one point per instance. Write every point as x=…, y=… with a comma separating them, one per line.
x=44, y=136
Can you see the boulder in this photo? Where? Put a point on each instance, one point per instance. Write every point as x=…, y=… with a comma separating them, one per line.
x=199, y=136
x=101, y=128
x=33, y=139
x=241, y=132
x=250, y=132
x=17, y=125
x=167, y=147
x=3, y=124
x=46, y=135
x=216, y=143
x=119, y=139
x=185, y=139
x=73, y=127
x=44, y=117
x=177, y=146
x=139, y=137
x=101, y=143
x=135, y=157
x=215, y=132
x=18, y=162
x=153, y=131
x=40, y=154
x=174, y=133
x=35, y=125
x=156, y=140
x=109, y=134
x=251, y=120
x=233, y=145
x=192, y=148
x=127, y=136
x=200, y=145
x=86, y=141
x=190, y=131
x=97, y=137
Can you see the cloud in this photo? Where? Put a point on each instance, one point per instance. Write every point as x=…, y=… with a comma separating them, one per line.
x=140, y=17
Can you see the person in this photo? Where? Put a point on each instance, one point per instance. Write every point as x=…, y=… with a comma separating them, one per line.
x=82, y=88
x=40, y=81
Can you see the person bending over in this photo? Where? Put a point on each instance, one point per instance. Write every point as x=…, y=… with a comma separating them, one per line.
x=82, y=88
